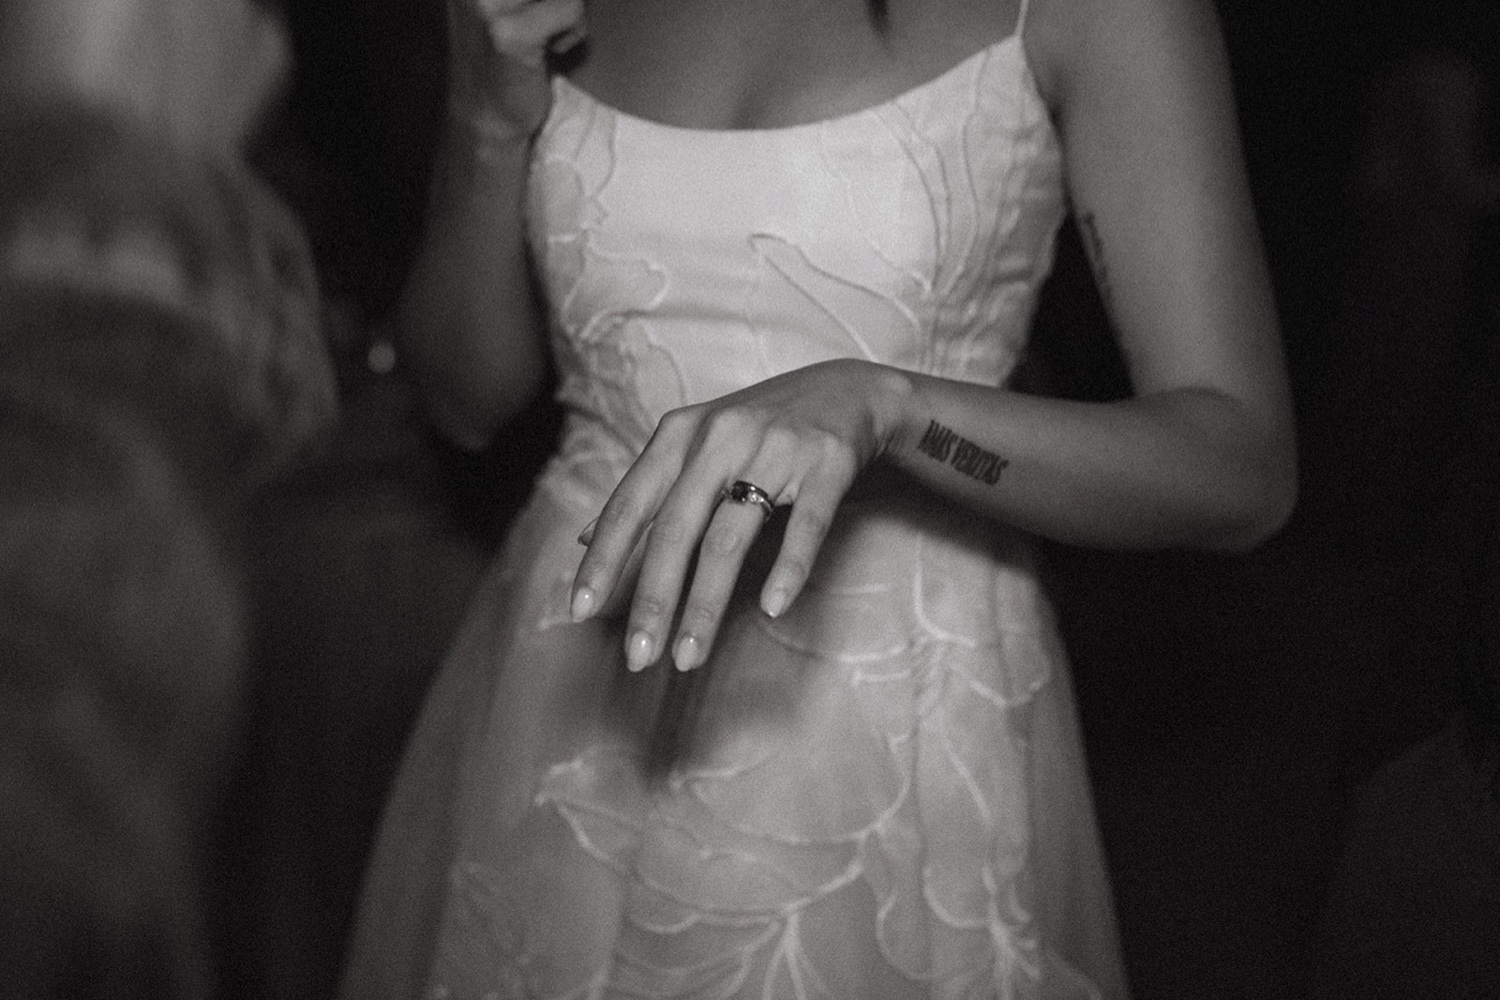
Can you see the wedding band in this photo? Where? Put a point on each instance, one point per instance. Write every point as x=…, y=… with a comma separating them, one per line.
x=743, y=492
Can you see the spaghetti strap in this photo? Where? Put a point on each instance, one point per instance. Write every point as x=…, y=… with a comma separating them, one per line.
x=1021, y=18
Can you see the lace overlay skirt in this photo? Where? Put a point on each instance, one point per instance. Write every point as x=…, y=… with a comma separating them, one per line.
x=879, y=794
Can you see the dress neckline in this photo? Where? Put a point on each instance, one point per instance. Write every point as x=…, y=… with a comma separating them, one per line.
x=1011, y=41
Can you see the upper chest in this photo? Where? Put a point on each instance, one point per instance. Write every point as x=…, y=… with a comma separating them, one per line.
x=755, y=64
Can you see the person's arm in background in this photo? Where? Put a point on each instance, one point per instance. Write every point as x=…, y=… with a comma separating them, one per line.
x=468, y=326
x=160, y=359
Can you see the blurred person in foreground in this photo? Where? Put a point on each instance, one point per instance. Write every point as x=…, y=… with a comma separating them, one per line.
x=160, y=360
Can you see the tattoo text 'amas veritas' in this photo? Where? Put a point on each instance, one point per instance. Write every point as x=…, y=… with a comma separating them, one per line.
x=945, y=445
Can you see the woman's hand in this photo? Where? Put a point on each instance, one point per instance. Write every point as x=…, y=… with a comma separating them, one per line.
x=801, y=437
x=498, y=58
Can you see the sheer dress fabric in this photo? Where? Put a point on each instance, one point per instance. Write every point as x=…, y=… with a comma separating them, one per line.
x=880, y=794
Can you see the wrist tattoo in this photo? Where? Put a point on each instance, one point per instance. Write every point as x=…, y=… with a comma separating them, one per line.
x=945, y=445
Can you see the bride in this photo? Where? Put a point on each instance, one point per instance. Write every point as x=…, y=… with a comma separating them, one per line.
x=762, y=697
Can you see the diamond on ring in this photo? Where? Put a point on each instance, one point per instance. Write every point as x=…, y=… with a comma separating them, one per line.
x=743, y=492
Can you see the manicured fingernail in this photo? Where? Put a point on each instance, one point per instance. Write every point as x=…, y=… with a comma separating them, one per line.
x=587, y=534
x=689, y=653
x=638, y=651
x=775, y=603
x=566, y=40
x=583, y=603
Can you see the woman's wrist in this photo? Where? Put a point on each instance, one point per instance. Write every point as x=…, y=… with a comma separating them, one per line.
x=896, y=405
x=483, y=156
x=487, y=132
x=933, y=438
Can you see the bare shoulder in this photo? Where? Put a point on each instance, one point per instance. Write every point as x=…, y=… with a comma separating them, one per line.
x=1076, y=47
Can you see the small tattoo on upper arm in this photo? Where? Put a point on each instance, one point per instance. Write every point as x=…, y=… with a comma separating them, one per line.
x=1094, y=247
x=945, y=445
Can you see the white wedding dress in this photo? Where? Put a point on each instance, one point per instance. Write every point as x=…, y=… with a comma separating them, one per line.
x=880, y=794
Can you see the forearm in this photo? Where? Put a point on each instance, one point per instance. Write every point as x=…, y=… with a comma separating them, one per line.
x=1185, y=467
x=468, y=317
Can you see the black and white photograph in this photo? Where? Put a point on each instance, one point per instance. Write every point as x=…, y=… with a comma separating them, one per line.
x=749, y=500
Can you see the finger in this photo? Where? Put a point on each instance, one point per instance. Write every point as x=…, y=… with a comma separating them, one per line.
x=524, y=31
x=807, y=528
x=670, y=545
x=731, y=531
x=719, y=443
x=609, y=539
x=632, y=506
x=618, y=605
x=567, y=40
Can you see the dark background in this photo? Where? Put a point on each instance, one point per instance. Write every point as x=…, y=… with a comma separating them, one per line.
x=1232, y=707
